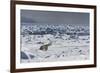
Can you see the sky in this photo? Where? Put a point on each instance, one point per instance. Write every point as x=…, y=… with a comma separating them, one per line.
x=54, y=17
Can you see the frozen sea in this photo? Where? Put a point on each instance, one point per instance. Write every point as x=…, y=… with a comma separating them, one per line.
x=61, y=49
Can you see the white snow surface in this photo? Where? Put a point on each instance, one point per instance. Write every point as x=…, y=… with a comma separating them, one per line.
x=61, y=49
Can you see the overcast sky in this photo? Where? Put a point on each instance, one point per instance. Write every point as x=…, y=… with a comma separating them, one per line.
x=33, y=16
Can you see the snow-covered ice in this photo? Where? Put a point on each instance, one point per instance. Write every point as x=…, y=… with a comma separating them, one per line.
x=62, y=47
